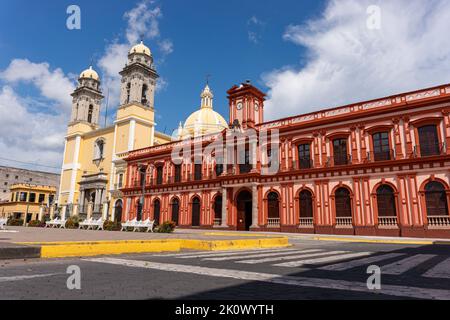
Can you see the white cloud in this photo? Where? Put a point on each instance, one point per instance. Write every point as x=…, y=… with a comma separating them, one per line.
x=53, y=84
x=347, y=62
x=142, y=23
x=255, y=28
x=29, y=136
x=32, y=127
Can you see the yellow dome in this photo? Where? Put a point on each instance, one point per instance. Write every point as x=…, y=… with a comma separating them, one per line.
x=141, y=48
x=90, y=73
x=202, y=122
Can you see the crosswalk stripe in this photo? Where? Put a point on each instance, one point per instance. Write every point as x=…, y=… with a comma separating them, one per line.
x=297, y=281
x=213, y=254
x=261, y=255
x=360, y=262
x=306, y=254
x=338, y=256
x=402, y=266
x=442, y=270
x=196, y=254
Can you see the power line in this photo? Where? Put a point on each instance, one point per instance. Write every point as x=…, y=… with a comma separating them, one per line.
x=30, y=163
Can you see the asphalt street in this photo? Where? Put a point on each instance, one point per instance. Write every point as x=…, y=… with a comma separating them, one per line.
x=307, y=270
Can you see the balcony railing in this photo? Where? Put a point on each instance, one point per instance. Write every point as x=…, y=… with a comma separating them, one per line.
x=339, y=160
x=388, y=222
x=429, y=150
x=307, y=222
x=217, y=222
x=344, y=222
x=439, y=222
x=273, y=222
x=376, y=156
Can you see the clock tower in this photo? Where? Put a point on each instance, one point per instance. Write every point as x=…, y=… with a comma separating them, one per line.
x=246, y=105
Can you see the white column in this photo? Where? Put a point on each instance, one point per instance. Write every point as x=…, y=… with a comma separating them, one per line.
x=41, y=213
x=131, y=135
x=63, y=214
x=105, y=211
x=75, y=168
x=254, y=207
x=224, y=208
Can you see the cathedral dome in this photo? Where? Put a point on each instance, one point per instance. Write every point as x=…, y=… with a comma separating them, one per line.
x=141, y=48
x=204, y=121
x=90, y=74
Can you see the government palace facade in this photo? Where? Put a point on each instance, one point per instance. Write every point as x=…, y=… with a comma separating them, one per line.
x=379, y=167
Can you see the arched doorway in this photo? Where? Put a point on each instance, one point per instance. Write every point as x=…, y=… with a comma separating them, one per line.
x=436, y=199
x=196, y=212
x=218, y=210
x=157, y=211
x=386, y=201
x=343, y=203
x=306, y=204
x=118, y=211
x=244, y=211
x=175, y=210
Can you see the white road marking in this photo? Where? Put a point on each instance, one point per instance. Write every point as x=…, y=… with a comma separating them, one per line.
x=312, y=253
x=338, y=256
x=213, y=254
x=260, y=255
x=21, y=278
x=392, y=290
x=442, y=270
x=402, y=266
x=197, y=254
x=360, y=262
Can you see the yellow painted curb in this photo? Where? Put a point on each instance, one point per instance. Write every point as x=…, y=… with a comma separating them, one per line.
x=421, y=242
x=231, y=234
x=96, y=248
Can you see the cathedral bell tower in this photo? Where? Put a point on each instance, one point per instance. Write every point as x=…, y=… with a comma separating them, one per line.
x=246, y=105
x=86, y=102
x=139, y=78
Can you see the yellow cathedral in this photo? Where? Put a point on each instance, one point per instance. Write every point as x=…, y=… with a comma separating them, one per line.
x=94, y=169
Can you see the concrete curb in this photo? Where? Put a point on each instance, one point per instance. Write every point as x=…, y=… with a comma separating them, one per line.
x=15, y=251
x=97, y=248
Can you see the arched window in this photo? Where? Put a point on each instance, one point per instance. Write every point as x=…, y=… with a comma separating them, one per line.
x=429, y=141
x=273, y=205
x=99, y=149
x=340, y=152
x=157, y=211
x=196, y=212
x=306, y=204
x=144, y=94
x=436, y=199
x=159, y=175
x=175, y=210
x=128, y=92
x=386, y=201
x=343, y=203
x=218, y=208
x=90, y=113
x=381, y=147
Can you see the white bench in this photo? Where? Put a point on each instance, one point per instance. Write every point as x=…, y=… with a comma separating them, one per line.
x=3, y=222
x=128, y=224
x=147, y=224
x=52, y=223
x=97, y=224
x=85, y=223
x=92, y=224
x=60, y=224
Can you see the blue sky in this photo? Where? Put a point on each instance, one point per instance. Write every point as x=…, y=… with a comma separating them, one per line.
x=307, y=55
x=209, y=37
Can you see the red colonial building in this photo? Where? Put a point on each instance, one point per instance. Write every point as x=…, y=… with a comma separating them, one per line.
x=379, y=167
